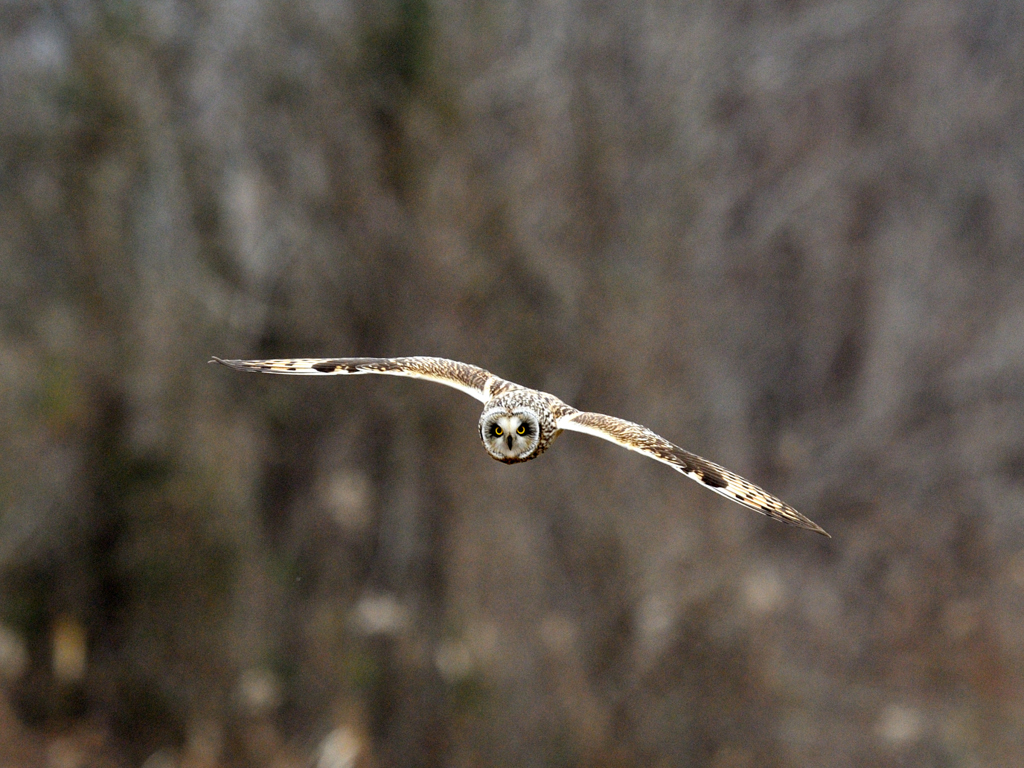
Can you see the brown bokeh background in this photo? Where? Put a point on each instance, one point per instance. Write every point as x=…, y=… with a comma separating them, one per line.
x=786, y=235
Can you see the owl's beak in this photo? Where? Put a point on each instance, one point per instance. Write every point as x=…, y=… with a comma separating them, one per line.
x=508, y=439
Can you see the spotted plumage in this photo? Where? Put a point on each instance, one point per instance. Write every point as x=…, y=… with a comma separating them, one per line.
x=519, y=424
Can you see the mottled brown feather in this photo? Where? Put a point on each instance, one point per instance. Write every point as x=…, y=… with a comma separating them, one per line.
x=470, y=379
x=639, y=438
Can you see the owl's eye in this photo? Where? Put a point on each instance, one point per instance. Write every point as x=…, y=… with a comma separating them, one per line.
x=521, y=430
x=498, y=431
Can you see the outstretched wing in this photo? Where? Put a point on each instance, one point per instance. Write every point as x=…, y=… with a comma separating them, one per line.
x=474, y=381
x=720, y=480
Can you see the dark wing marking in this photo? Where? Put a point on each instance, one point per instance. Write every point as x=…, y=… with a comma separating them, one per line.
x=474, y=381
x=638, y=438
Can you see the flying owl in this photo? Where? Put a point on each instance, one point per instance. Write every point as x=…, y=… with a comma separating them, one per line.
x=518, y=423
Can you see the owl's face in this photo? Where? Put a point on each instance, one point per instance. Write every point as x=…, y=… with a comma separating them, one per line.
x=510, y=435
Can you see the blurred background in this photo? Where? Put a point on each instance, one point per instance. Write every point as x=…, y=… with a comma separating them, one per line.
x=787, y=235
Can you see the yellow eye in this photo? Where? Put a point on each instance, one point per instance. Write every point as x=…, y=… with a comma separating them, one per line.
x=499, y=431
x=521, y=430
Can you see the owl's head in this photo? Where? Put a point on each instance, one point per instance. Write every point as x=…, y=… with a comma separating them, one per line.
x=510, y=434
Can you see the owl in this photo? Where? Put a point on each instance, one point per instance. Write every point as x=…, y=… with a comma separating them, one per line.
x=519, y=423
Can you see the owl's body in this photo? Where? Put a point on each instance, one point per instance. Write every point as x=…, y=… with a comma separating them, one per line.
x=519, y=424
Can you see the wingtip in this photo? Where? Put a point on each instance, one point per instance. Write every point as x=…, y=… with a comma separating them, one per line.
x=233, y=364
x=790, y=516
x=810, y=525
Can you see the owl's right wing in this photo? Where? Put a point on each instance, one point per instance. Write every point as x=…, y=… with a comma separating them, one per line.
x=639, y=438
x=474, y=381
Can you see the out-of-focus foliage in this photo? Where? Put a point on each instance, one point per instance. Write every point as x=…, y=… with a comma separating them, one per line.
x=786, y=235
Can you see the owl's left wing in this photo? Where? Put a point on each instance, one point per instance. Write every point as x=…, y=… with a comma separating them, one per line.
x=474, y=381
x=638, y=438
